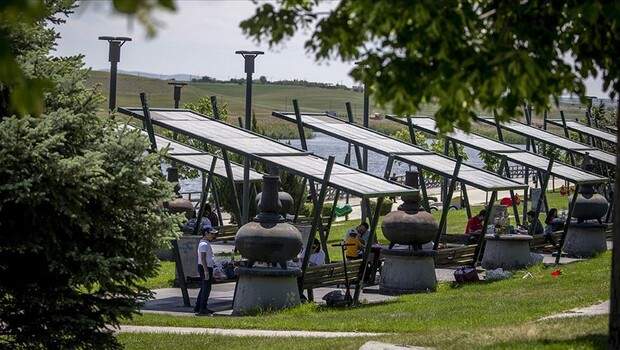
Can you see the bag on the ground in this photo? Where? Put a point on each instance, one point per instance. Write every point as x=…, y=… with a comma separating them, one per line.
x=466, y=274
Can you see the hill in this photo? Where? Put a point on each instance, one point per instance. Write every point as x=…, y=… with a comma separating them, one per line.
x=268, y=98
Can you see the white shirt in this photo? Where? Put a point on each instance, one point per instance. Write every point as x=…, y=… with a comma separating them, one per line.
x=317, y=258
x=205, y=247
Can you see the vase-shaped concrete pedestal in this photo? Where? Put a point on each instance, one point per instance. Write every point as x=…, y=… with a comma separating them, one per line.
x=263, y=289
x=585, y=239
x=407, y=271
x=508, y=252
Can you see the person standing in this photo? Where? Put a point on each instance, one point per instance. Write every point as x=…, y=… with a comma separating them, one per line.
x=206, y=262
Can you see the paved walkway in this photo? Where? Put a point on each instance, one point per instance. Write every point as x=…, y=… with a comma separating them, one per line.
x=243, y=332
x=592, y=310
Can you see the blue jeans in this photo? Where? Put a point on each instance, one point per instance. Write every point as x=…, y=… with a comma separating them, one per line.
x=205, y=289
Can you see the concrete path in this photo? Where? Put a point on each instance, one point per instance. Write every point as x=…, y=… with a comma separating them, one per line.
x=592, y=310
x=375, y=345
x=243, y=332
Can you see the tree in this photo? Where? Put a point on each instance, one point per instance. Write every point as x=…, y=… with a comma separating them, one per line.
x=79, y=213
x=463, y=55
x=263, y=79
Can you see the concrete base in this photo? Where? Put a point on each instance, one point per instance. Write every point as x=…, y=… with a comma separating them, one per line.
x=506, y=251
x=406, y=271
x=585, y=240
x=263, y=289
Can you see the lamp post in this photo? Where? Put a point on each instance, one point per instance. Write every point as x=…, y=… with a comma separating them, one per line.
x=114, y=56
x=249, y=57
x=177, y=91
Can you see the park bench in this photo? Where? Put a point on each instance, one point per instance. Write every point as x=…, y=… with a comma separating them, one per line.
x=538, y=243
x=455, y=257
x=226, y=233
x=330, y=275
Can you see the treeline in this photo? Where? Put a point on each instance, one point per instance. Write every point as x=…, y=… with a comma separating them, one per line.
x=264, y=80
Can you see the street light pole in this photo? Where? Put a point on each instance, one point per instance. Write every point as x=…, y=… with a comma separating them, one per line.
x=177, y=92
x=249, y=57
x=114, y=56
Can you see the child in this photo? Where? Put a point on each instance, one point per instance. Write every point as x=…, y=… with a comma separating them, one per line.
x=353, y=246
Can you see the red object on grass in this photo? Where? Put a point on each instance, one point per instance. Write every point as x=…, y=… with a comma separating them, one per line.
x=556, y=273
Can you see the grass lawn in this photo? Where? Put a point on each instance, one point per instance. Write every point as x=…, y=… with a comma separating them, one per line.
x=576, y=333
x=165, y=276
x=470, y=307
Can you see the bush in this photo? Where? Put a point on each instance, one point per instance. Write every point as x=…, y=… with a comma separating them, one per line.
x=386, y=206
x=80, y=225
x=308, y=208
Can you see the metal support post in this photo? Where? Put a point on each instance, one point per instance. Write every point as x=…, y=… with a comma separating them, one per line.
x=205, y=194
x=487, y=217
x=316, y=218
x=249, y=57
x=543, y=189
x=374, y=220
x=231, y=178
x=114, y=56
x=147, y=122
x=445, y=208
x=214, y=108
x=177, y=92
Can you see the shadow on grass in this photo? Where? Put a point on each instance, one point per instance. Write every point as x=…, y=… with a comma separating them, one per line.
x=590, y=341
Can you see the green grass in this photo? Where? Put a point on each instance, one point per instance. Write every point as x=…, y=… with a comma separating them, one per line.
x=165, y=276
x=575, y=333
x=471, y=307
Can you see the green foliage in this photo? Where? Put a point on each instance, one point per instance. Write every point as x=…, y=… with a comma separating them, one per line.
x=386, y=207
x=79, y=226
x=462, y=55
x=79, y=213
x=204, y=106
x=491, y=162
x=403, y=135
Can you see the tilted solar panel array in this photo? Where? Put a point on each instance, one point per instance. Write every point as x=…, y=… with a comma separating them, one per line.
x=259, y=147
x=512, y=153
x=555, y=140
x=401, y=150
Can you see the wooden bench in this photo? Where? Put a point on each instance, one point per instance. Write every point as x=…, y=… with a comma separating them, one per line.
x=330, y=275
x=226, y=233
x=455, y=257
x=538, y=243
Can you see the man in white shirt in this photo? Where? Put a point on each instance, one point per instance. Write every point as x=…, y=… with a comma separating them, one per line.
x=206, y=262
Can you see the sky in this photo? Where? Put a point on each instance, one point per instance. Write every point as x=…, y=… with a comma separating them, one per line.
x=200, y=38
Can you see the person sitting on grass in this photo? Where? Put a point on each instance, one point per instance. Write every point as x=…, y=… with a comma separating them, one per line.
x=534, y=227
x=206, y=262
x=354, y=246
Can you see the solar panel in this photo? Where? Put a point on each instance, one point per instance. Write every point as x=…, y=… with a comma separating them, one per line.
x=512, y=153
x=404, y=152
x=247, y=143
x=200, y=160
x=467, y=174
x=552, y=139
x=585, y=129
